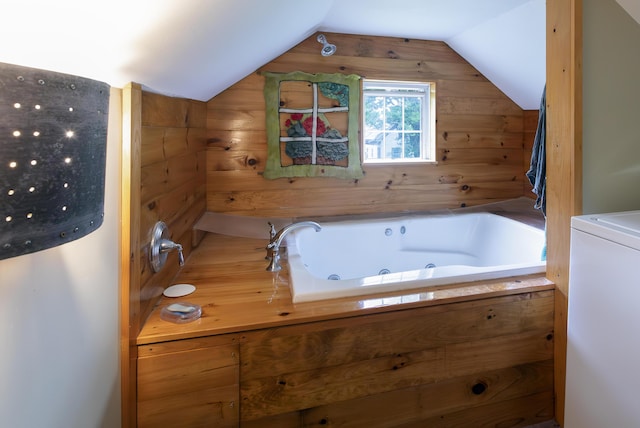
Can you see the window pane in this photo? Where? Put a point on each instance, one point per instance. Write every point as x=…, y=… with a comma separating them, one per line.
x=397, y=121
x=412, y=145
x=393, y=145
x=373, y=145
x=393, y=113
x=374, y=109
x=412, y=114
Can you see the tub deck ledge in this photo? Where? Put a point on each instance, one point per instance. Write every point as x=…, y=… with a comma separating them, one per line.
x=237, y=294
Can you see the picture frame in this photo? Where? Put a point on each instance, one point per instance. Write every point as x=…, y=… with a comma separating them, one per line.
x=312, y=123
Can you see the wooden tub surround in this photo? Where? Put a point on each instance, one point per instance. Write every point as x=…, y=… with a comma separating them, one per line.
x=490, y=365
x=469, y=355
x=184, y=157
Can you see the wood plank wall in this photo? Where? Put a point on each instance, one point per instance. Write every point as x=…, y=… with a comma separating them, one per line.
x=172, y=188
x=479, y=137
x=129, y=249
x=451, y=365
x=564, y=163
x=163, y=178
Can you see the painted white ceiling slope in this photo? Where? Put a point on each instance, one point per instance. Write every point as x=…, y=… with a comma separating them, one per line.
x=632, y=7
x=198, y=48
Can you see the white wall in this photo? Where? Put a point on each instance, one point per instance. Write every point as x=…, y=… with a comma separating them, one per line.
x=500, y=41
x=59, y=322
x=611, y=108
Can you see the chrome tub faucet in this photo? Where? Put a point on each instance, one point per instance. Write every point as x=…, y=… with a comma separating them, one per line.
x=273, y=248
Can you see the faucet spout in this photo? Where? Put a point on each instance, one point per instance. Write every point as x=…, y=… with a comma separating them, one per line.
x=273, y=248
x=276, y=241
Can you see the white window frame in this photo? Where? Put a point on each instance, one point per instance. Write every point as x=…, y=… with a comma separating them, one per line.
x=425, y=91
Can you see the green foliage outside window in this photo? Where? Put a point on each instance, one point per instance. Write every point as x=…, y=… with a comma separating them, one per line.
x=395, y=120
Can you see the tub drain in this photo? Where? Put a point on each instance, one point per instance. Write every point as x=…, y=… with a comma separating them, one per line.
x=384, y=271
x=334, y=277
x=430, y=266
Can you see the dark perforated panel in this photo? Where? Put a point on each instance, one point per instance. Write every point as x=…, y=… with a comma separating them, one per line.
x=53, y=135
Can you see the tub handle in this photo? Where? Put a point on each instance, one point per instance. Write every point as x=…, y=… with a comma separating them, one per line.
x=161, y=245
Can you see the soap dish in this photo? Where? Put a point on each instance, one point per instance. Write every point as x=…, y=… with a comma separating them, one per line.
x=181, y=312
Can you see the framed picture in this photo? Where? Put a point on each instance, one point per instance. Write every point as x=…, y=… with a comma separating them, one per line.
x=312, y=125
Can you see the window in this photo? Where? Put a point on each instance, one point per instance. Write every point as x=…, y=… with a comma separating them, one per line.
x=398, y=121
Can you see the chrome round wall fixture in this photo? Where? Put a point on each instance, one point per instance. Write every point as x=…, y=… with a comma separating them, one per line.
x=327, y=48
x=160, y=245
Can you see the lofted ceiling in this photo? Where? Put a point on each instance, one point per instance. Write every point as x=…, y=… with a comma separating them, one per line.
x=198, y=48
x=632, y=7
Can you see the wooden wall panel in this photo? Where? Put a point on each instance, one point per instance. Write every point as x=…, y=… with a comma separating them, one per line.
x=203, y=393
x=526, y=391
x=163, y=171
x=489, y=360
x=130, y=322
x=479, y=138
x=172, y=182
x=564, y=162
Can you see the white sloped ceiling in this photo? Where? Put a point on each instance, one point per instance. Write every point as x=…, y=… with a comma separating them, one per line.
x=632, y=7
x=510, y=49
x=198, y=48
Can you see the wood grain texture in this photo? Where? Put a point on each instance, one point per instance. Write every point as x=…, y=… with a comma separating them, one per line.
x=525, y=391
x=479, y=130
x=197, y=387
x=564, y=161
x=163, y=178
x=130, y=322
x=238, y=294
x=299, y=351
x=172, y=183
x=305, y=370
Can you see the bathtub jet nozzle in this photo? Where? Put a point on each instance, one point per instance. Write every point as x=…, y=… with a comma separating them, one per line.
x=273, y=248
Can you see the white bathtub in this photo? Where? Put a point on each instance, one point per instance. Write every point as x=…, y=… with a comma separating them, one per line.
x=353, y=258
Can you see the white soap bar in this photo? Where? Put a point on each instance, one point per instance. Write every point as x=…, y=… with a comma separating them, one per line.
x=181, y=312
x=177, y=307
